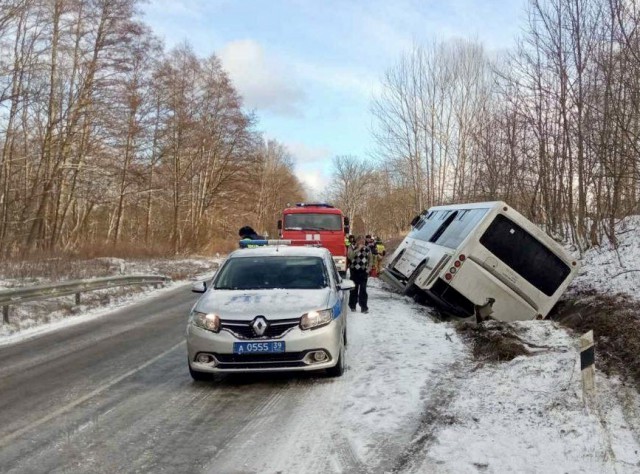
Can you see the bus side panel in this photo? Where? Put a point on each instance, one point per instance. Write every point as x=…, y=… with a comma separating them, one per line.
x=480, y=253
x=478, y=285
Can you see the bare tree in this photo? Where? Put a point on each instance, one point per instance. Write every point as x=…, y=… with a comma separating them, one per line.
x=350, y=184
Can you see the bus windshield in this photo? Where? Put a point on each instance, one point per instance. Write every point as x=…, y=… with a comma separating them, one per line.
x=523, y=253
x=315, y=221
x=447, y=228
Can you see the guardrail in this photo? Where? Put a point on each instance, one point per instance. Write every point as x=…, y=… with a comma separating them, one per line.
x=16, y=296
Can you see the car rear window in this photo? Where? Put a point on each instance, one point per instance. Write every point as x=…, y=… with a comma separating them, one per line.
x=525, y=254
x=260, y=273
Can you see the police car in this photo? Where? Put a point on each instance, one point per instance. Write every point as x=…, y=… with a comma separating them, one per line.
x=270, y=308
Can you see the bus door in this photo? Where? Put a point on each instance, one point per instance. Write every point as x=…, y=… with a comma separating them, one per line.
x=415, y=252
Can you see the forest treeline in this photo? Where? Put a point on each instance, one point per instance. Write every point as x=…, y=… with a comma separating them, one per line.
x=109, y=140
x=552, y=126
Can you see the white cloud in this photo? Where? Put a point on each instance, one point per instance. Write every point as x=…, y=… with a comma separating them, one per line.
x=351, y=80
x=314, y=181
x=303, y=153
x=263, y=80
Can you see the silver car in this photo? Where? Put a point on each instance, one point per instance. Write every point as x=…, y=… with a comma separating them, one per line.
x=270, y=309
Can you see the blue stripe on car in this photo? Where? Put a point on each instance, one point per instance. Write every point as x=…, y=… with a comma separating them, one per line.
x=337, y=308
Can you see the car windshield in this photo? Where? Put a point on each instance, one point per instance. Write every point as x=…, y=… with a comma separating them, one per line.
x=313, y=222
x=261, y=273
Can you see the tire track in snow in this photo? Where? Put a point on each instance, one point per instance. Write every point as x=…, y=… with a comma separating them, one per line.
x=434, y=415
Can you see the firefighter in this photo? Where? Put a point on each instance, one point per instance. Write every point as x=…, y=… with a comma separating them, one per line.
x=381, y=253
x=349, y=242
x=371, y=243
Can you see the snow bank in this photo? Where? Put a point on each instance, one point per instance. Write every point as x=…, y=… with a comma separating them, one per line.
x=528, y=415
x=30, y=319
x=609, y=270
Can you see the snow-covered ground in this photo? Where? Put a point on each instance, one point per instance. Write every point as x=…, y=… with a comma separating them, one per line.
x=414, y=400
x=608, y=270
x=29, y=319
x=528, y=415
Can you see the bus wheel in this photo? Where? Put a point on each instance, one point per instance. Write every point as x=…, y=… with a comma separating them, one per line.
x=411, y=289
x=419, y=296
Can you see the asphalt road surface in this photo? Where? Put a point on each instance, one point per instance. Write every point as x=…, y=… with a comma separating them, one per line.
x=114, y=395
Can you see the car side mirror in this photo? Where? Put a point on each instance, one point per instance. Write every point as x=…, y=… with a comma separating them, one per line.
x=199, y=287
x=280, y=224
x=346, y=285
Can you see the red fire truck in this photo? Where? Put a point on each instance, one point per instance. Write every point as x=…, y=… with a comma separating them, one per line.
x=317, y=223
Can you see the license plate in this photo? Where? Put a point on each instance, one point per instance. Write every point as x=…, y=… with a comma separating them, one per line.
x=258, y=347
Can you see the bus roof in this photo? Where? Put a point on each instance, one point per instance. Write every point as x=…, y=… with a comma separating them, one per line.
x=469, y=205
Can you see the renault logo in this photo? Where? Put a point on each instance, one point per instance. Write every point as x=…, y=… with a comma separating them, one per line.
x=259, y=325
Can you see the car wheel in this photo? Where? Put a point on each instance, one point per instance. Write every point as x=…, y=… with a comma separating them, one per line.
x=199, y=376
x=338, y=369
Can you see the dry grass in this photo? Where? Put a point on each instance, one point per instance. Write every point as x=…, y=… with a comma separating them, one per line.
x=222, y=246
x=493, y=341
x=98, y=261
x=54, y=268
x=392, y=244
x=615, y=321
x=124, y=250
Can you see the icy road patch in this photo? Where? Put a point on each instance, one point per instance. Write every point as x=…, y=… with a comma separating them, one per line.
x=413, y=400
x=359, y=422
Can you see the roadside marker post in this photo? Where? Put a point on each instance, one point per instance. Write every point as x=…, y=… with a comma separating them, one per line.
x=587, y=364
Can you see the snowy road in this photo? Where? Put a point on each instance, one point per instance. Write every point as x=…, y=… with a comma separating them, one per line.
x=114, y=395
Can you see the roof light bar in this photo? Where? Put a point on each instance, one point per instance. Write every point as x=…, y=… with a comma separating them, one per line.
x=313, y=204
x=247, y=243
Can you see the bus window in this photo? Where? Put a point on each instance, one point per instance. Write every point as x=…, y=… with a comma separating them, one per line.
x=525, y=255
x=428, y=225
x=443, y=226
x=458, y=230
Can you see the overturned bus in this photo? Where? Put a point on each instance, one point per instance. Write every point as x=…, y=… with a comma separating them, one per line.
x=481, y=260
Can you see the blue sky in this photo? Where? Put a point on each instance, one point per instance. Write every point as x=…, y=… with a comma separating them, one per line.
x=308, y=68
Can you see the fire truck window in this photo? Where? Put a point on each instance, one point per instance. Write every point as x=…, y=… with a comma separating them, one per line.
x=313, y=222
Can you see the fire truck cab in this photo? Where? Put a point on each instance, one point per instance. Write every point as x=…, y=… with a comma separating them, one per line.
x=319, y=224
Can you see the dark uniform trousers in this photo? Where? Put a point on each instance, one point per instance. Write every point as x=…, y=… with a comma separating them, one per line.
x=359, y=293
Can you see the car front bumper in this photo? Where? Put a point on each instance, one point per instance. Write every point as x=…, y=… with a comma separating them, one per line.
x=299, y=347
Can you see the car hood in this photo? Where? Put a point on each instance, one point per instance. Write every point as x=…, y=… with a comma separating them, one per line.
x=272, y=304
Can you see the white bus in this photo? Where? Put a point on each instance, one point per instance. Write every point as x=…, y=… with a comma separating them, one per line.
x=480, y=260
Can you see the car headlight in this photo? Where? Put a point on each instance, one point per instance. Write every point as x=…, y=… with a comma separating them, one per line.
x=314, y=319
x=208, y=321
